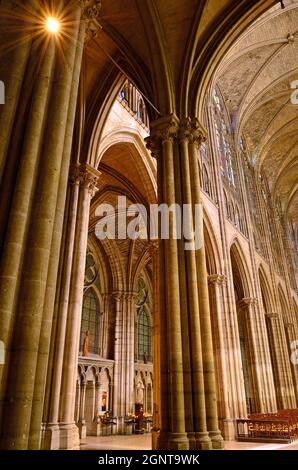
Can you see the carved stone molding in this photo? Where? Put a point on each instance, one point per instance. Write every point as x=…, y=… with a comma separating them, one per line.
x=248, y=302
x=217, y=279
x=162, y=130
x=198, y=134
x=289, y=326
x=185, y=129
x=271, y=315
x=91, y=12
x=171, y=128
x=122, y=295
x=85, y=176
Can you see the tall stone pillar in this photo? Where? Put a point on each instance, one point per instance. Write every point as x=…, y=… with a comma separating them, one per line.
x=12, y=67
x=154, y=253
x=183, y=276
x=36, y=245
x=88, y=178
x=283, y=376
x=198, y=411
x=82, y=422
x=52, y=282
x=248, y=306
x=291, y=337
x=78, y=400
x=123, y=393
x=52, y=397
x=197, y=136
x=221, y=346
x=17, y=229
x=163, y=134
x=96, y=420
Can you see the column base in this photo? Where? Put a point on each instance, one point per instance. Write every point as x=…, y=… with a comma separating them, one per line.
x=69, y=437
x=217, y=440
x=228, y=429
x=162, y=440
x=122, y=428
x=192, y=440
x=50, y=438
x=96, y=428
x=178, y=441
x=203, y=441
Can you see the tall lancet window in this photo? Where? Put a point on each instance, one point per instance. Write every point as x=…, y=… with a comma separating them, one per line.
x=144, y=336
x=90, y=322
x=224, y=139
x=143, y=345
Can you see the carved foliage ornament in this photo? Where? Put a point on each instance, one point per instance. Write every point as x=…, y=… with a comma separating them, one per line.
x=170, y=128
x=86, y=176
x=91, y=11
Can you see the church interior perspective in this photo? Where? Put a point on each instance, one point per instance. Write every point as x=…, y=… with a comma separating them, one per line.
x=111, y=110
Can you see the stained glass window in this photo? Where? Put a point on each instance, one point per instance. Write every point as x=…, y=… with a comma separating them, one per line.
x=90, y=321
x=224, y=139
x=144, y=336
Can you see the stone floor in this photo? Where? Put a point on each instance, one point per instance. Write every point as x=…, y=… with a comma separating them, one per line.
x=143, y=442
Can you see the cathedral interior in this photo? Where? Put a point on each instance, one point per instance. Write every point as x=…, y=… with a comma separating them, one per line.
x=150, y=102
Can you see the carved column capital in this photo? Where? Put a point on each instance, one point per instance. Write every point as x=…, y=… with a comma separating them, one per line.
x=85, y=176
x=123, y=295
x=247, y=303
x=198, y=134
x=116, y=295
x=217, y=279
x=271, y=315
x=162, y=130
x=130, y=296
x=289, y=326
x=185, y=129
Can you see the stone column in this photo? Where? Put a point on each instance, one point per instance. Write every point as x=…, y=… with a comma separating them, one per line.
x=123, y=394
x=20, y=389
x=248, y=305
x=88, y=177
x=17, y=229
x=106, y=326
x=221, y=346
x=291, y=336
x=52, y=399
x=236, y=377
x=52, y=281
x=82, y=422
x=12, y=67
x=197, y=135
x=281, y=373
x=78, y=401
x=154, y=253
x=194, y=314
x=163, y=132
x=161, y=405
x=96, y=420
x=184, y=307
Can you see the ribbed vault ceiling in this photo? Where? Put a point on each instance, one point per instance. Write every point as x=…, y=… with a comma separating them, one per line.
x=255, y=80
